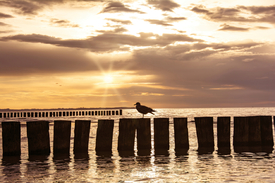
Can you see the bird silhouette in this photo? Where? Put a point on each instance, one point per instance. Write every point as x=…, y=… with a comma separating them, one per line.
x=144, y=109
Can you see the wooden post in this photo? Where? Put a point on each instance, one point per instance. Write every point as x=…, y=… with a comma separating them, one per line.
x=181, y=136
x=143, y=136
x=81, y=136
x=161, y=136
x=104, y=137
x=62, y=137
x=11, y=138
x=241, y=134
x=223, y=135
x=38, y=137
x=266, y=133
x=254, y=136
x=126, y=137
x=205, y=134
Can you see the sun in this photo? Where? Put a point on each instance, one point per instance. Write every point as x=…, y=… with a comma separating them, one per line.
x=108, y=79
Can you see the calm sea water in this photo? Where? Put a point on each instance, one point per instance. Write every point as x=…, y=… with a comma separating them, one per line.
x=244, y=167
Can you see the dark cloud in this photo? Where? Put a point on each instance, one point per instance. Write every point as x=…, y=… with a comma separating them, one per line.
x=164, y=5
x=238, y=14
x=200, y=9
x=175, y=19
x=3, y=15
x=125, y=22
x=117, y=7
x=116, y=30
x=262, y=27
x=202, y=80
x=225, y=80
x=159, y=22
x=260, y=9
x=23, y=6
x=166, y=21
x=226, y=27
x=4, y=24
x=63, y=23
x=30, y=59
x=32, y=7
x=105, y=42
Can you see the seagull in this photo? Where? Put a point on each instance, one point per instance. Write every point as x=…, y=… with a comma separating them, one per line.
x=144, y=109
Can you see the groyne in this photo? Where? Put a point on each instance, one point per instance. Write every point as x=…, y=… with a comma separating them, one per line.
x=250, y=134
x=56, y=113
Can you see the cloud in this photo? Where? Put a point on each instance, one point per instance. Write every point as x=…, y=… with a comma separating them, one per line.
x=34, y=59
x=32, y=7
x=164, y=5
x=226, y=27
x=210, y=77
x=6, y=31
x=165, y=22
x=117, y=7
x=175, y=19
x=63, y=23
x=125, y=22
x=116, y=30
x=23, y=7
x=158, y=22
x=3, y=15
x=238, y=13
x=198, y=74
x=4, y=24
x=262, y=27
x=106, y=42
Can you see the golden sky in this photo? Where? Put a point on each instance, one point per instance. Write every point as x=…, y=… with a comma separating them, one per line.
x=162, y=53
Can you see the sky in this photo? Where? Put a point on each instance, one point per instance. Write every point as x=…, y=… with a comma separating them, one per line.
x=161, y=53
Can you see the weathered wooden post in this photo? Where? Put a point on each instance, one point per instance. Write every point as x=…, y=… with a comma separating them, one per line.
x=267, y=133
x=161, y=136
x=104, y=137
x=62, y=138
x=223, y=135
x=126, y=137
x=143, y=136
x=241, y=134
x=181, y=136
x=205, y=134
x=38, y=138
x=254, y=136
x=81, y=136
x=11, y=138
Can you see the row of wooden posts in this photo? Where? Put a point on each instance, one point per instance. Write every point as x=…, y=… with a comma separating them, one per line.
x=250, y=134
x=60, y=113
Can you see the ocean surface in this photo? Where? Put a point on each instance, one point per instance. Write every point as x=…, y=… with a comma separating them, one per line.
x=233, y=167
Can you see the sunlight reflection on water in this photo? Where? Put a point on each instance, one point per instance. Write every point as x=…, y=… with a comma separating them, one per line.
x=244, y=167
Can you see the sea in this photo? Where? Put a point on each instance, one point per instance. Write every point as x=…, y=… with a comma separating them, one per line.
x=192, y=167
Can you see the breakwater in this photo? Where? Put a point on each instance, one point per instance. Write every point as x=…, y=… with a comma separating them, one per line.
x=251, y=134
x=55, y=113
